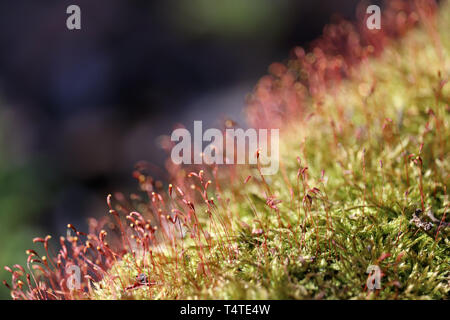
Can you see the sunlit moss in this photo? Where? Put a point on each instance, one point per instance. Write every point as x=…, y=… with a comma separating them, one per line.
x=364, y=166
x=369, y=190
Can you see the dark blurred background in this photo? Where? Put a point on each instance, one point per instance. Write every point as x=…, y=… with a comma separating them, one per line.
x=79, y=108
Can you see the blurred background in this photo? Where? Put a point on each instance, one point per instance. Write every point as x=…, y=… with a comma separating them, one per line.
x=78, y=109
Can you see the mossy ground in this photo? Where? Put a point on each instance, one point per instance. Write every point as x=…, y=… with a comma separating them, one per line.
x=353, y=172
x=321, y=246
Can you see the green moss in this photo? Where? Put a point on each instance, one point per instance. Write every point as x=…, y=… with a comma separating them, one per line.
x=362, y=215
x=363, y=181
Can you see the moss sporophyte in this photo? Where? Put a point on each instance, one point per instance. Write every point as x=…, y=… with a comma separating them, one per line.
x=357, y=210
x=228, y=147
